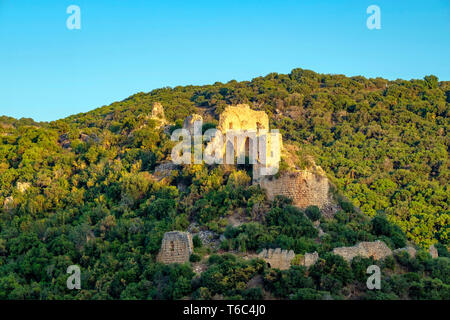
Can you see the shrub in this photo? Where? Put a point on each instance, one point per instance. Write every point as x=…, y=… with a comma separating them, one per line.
x=197, y=242
x=194, y=258
x=313, y=212
x=253, y=294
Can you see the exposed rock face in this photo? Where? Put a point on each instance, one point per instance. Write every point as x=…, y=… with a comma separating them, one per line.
x=176, y=247
x=188, y=123
x=8, y=203
x=410, y=249
x=64, y=141
x=433, y=251
x=377, y=249
x=158, y=113
x=279, y=259
x=22, y=186
x=305, y=187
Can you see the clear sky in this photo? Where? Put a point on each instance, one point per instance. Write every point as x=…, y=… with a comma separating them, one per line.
x=125, y=46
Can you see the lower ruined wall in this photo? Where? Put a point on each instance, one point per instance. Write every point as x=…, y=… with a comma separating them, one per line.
x=281, y=259
x=277, y=258
x=176, y=247
x=305, y=188
x=377, y=249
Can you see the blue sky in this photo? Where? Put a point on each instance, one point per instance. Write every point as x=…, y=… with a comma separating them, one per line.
x=48, y=72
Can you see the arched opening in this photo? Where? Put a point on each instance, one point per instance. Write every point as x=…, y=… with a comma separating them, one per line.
x=231, y=150
x=268, y=265
x=247, y=149
x=172, y=246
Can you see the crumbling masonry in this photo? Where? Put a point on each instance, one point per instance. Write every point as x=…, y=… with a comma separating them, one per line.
x=277, y=258
x=176, y=247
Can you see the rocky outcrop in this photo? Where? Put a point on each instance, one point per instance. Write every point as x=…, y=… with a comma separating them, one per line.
x=277, y=258
x=8, y=203
x=433, y=252
x=158, y=114
x=176, y=247
x=158, y=111
x=376, y=249
x=22, y=186
x=64, y=141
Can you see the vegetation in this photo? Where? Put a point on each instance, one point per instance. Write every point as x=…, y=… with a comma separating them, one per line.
x=82, y=191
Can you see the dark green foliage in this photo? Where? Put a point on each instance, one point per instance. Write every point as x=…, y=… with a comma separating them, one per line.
x=197, y=242
x=228, y=275
x=313, y=212
x=91, y=198
x=285, y=283
x=331, y=273
x=252, y=294
x=194, y=258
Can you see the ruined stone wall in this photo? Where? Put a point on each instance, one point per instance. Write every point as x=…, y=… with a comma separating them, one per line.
x=249, y=125
x=241, y=117
x=304, y=187
x=310, y=259
x=277, y=258
x=176, y=247
x=376, y=249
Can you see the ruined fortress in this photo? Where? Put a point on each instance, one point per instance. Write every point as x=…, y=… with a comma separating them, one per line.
x=247, y=134
x=305, y=187
x=176, y=247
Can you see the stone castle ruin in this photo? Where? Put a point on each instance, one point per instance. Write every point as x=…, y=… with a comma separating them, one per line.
x=277, y=258
x=282, y=259
x=246, y=134
x=176, y=247
x=305, y=187
x=309, y=187
x=376, y=249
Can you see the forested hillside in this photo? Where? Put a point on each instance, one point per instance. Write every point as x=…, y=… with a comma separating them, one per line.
x=81, y=191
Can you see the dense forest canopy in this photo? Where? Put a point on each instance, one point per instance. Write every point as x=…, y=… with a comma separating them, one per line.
x=81, y=191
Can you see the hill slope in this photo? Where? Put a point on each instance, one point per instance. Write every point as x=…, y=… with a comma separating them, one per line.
x=80, y=190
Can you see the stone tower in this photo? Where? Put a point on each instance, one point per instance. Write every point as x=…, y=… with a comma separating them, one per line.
x=246, y=132
x=176, y=247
